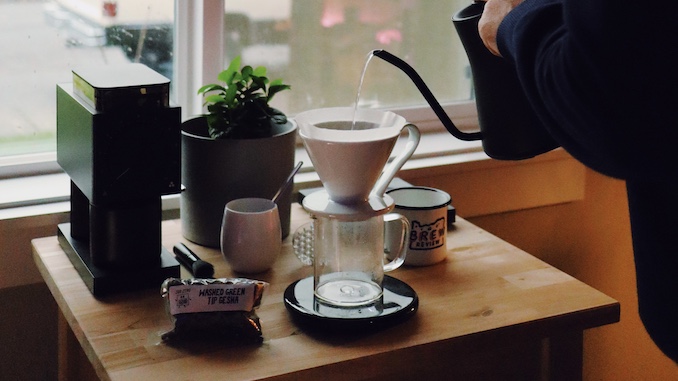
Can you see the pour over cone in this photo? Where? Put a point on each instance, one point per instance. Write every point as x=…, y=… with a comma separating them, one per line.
x=349, y=160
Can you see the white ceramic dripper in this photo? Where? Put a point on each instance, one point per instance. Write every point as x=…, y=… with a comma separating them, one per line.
x=350, y=159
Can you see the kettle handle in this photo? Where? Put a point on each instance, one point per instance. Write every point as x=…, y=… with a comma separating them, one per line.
x=428, y=95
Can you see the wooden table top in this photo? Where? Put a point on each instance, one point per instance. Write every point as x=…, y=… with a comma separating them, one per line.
x=486, y=291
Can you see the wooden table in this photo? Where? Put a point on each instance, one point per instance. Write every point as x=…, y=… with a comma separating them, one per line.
x=490, y=311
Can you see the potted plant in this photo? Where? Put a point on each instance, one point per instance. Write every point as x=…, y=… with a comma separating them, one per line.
x=242, y=147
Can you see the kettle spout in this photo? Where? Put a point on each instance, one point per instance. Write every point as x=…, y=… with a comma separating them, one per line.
x=428, y=95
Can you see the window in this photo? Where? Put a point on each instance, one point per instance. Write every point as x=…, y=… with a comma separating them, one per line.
x=320, y=47
x=44, y=40
x=317, y=46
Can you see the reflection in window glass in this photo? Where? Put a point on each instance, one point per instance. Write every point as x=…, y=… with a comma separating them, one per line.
x=320, y=48
x=317, y=46
x=42, y=41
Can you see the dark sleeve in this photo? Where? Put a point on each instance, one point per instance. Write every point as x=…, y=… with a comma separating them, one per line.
x=652, y=207
x=602, y=77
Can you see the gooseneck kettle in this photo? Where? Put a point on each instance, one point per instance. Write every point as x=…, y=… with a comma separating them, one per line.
x=509, y=128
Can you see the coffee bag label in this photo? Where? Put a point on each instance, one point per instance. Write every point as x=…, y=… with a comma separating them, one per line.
x=211, y=297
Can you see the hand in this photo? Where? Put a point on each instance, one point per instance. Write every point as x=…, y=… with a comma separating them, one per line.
x=493, y=15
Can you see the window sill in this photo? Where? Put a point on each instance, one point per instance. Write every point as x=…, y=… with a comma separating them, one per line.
x=479, y=185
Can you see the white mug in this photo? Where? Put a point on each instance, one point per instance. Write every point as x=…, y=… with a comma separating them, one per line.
x=426, y=209
x=251, y=237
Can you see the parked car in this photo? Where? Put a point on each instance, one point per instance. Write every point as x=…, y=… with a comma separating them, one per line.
x=143, y=29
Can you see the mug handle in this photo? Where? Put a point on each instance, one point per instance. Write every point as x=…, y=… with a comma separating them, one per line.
x=402, y=240
x=390, y=172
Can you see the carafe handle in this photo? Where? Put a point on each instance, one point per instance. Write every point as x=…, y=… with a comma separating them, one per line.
x=403, y=238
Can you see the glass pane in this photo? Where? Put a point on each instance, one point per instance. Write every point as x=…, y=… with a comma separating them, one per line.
x=320, y=48
x=42, y=41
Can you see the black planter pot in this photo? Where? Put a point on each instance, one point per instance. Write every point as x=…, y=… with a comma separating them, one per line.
x=214, y=172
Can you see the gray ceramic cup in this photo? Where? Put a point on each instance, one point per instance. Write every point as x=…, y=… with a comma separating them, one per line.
x=251, y=237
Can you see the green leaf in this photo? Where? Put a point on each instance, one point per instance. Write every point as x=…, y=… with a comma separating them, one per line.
x=227, y=75
x=236, y=79
x=208, y=88
x=274, y=89
x=259, y=83
x=229, y=96
x=260, y=71
x=214, y=98
x=246, y=73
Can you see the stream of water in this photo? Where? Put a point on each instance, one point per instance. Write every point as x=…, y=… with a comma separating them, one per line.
x=360, y=86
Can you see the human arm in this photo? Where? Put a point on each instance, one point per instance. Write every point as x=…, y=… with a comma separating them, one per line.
x=600, y=77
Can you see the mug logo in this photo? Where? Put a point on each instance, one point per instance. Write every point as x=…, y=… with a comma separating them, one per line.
x=427, y=236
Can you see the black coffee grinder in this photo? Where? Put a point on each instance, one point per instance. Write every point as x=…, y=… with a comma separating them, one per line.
x=119, y=140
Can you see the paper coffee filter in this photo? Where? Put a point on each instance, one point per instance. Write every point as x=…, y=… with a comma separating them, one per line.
x=386, y=124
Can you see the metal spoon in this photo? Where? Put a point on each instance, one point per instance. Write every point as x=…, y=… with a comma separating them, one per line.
x=287, y=182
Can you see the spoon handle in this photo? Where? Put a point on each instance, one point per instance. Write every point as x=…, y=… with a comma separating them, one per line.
x=287, y=182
